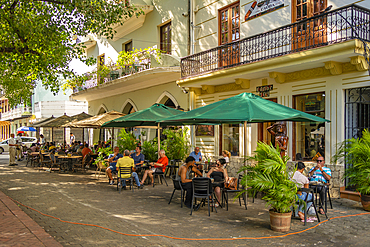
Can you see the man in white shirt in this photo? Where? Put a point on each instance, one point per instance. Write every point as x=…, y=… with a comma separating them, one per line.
x=19, y=147
x=12, y=149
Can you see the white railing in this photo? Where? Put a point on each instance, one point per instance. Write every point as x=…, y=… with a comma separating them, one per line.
x=16, y=113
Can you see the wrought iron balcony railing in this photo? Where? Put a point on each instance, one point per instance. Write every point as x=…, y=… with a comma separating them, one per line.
x=346, y=23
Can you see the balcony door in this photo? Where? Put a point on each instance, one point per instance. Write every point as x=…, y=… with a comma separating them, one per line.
x=311, y=33
x=229, y=31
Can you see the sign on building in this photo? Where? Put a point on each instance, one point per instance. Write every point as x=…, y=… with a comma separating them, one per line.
x=264, y=91
x=260, y=7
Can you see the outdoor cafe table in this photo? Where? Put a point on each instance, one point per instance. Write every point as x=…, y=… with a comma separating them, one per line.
x=70, y=159
x=316, y=187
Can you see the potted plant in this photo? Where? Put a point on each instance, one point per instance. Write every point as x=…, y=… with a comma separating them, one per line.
x=356, y=154
x=269, y=175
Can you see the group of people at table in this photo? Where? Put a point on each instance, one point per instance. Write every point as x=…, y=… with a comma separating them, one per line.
x=319, y=176
x=136, y=161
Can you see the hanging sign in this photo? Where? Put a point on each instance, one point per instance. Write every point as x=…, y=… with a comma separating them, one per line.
x=260, y=7
x=264, y=91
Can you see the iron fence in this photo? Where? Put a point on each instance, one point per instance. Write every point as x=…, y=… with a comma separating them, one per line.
x=346, y=23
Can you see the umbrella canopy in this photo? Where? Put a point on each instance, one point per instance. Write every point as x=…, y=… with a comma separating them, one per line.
x=55, y=123
x=76, y=118
x=146, y=117
x=26, y=128
x=245, y=107
x=95, y=121
x=40, y=123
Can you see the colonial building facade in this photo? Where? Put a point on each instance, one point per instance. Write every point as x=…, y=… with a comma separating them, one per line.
x=308, y=55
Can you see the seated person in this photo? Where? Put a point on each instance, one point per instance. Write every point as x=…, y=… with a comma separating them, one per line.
x=80, y=148
x=127, y=161
x=301, y=182
x=219, y=174
x=33, y=147
x=322, y=174
x=185, y=180
x=138, y=157
x=159, y=166
x=112, y=159
x=86, y=150
x=226, y=155
x=196, y=154
x=52, y=147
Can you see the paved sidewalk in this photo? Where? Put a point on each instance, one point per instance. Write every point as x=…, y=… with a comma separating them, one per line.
x=18, y=229
x=81, y=198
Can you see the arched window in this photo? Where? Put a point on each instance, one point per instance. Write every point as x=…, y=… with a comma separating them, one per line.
x=169, y=103
x=128, y=109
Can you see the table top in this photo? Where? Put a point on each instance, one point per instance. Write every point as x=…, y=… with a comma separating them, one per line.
x=35, y=153
x=68, y=157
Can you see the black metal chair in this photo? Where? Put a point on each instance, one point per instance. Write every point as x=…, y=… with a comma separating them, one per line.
x=225, y=194
x=121, y=172
x=160, y=176
x=202, y=188
x=177, y=186
x=310, y=191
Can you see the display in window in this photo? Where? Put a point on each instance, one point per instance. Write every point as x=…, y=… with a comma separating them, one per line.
x=204, y=130
x=310, y=137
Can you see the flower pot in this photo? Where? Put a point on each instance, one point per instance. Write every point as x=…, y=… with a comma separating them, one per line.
x=365, y=200
x=280, y=222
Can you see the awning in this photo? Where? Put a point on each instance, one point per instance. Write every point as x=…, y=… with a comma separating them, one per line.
x=4, y=123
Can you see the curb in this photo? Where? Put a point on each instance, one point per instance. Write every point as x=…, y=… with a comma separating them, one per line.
x=28, y=223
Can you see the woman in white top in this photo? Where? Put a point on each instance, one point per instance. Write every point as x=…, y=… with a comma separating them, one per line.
x=301, y=182
x=226, y=155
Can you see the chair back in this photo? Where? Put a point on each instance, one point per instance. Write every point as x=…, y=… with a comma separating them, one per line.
x=124, y=171
x=202, y=186
x=176, y=183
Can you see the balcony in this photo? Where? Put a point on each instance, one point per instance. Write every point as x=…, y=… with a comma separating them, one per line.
x=16, y=113
x=338, y=26
x=130, y=78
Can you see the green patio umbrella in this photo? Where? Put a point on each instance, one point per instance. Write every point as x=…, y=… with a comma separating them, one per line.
x=245, y=107
x=146, y=117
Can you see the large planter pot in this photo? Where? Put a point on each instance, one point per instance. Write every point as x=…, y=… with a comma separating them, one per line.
x=365, y=200
x=280, y=222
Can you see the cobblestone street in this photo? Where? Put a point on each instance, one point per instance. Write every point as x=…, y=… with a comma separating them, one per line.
x=81, y=198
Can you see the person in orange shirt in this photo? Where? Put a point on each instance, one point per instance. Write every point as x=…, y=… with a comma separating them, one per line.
x=86, y=150
x=159, y=166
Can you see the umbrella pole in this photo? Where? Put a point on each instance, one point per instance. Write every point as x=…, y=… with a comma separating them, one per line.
x=159, y=139
x=245, y=141
x=83, y=135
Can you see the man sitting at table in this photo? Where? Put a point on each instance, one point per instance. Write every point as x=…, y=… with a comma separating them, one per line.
x=138, y=157
x=127, y=161
x=322, y=174
x=196, y=154
x=186, y=182
x=112, y=159
x=159, y=166
x=86, y=150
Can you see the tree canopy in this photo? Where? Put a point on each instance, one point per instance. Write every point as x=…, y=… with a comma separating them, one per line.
x=37, y=39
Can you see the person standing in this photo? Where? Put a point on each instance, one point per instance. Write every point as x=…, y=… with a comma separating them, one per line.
x=72, y=139
x=42, y=140
x=12, y=150
x=19, y=147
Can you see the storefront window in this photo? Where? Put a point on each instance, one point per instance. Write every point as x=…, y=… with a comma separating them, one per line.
x=230, y=138
x=309, y=138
